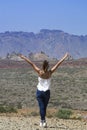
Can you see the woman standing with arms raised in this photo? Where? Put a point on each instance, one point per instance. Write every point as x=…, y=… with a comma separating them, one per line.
x=44, y=82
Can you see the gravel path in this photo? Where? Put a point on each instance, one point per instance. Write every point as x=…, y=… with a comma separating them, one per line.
x=32, y=123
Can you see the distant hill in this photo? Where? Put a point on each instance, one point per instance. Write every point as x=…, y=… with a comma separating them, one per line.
x=54, y=43
x=40, y=56
x=33, y=56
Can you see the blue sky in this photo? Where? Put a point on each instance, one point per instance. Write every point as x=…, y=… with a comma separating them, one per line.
x=32, y=15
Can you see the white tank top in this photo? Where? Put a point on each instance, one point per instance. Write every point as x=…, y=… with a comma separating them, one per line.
x=43, y=84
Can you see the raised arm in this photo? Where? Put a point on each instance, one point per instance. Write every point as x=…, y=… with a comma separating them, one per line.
x=58, y=63
x=30, y=62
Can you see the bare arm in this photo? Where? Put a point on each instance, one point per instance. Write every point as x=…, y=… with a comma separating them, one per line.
x=58, y=63
x=31, y=63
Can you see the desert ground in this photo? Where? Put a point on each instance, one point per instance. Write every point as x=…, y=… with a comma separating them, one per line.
x=32, y=123
x=18, y=84
x=18, y=90
x=24, y=120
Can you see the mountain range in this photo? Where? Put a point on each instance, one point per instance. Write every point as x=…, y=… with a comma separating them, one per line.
x=54, y=43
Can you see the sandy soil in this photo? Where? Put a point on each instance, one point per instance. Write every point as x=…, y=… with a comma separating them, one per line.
x=29, y=119
x=32, y=123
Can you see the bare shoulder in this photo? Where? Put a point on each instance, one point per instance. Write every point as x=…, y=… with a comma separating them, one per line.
x=41, y=72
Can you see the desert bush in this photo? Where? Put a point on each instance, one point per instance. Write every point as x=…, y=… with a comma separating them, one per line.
x=33, y=113
x=7, y=109
x=19, y=105
x=64, y=113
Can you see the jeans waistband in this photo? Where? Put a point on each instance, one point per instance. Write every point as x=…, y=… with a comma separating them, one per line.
x=43, y=91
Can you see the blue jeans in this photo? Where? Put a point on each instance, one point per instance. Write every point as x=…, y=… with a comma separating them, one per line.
x=43, y=99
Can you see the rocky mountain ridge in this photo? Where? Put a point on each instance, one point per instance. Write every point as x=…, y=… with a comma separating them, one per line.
x=54, y=43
